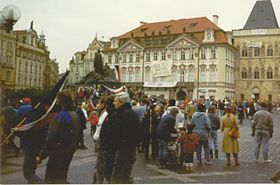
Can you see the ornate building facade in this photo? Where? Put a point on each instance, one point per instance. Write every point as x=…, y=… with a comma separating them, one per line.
x=8, y=60
x=176, y=58
x=32, y=56
x=82, y=62
x=257, y=69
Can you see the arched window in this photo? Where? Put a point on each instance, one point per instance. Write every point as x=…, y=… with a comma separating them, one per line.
x=8, y=76
x=269, y=51
x=244, y=73
x=244, y=52
x=269, y=73
x=256, y=73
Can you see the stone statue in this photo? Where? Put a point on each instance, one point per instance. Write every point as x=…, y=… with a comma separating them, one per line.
x=98, y=64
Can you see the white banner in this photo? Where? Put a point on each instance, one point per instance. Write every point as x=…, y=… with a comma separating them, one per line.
x=161, y=68
x=254, y=44
x=160, y=84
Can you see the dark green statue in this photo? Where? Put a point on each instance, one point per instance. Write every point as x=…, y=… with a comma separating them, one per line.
x=98, y=64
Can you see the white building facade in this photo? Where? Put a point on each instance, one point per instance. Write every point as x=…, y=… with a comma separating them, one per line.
x=82, y=62
x=191, y=58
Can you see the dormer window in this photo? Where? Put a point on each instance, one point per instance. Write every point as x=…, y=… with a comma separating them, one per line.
x=208, y=35
x=114, y=43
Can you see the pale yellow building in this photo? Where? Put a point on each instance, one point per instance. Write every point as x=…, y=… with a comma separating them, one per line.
x=8, y=60
x=257, y=69
x=32, y=56
x=51, y=73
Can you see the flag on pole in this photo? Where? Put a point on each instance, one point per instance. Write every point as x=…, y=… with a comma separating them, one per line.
x=40, y=116
x=117, y=72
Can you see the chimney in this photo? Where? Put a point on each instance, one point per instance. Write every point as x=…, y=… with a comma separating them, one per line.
x=142, y=23
x=216, y=19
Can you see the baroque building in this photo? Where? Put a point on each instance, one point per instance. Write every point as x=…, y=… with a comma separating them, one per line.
x=176, y=59
x=82, y=62
x=32, y=57
x=8, y=60
x=51, y=73
x=258, y=42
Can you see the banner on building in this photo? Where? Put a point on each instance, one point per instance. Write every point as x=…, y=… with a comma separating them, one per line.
x=160, y=84
x=161, y=68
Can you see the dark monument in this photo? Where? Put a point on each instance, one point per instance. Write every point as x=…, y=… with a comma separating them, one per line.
x=98, y=64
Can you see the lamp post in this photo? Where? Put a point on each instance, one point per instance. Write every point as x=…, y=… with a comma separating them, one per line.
x=197, y=79
x=9, y=16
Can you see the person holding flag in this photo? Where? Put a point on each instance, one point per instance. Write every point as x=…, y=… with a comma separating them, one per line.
x=62, y=141
x=31, y=142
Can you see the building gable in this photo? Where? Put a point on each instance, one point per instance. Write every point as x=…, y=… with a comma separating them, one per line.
x=182, y=41
x=130, y=45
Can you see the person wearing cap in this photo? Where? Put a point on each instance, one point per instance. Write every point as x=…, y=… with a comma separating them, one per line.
x=31, y=142
x=229, y=144
x=126, y=138
x=262, y=130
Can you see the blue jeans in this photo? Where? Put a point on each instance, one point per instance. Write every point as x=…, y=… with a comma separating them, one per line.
x=205, y=145
x=29, y=168
x=163, y=151
x=261, y=139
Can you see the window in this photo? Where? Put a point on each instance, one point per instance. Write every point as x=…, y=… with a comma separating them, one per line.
x=26, y=67
x=244, y=52
x=213, y=53
x=123, y=75
x=203, y=54
x=174, y=55
x=256, y=52
x=182, y=76
x=269, y=51
x=19, y=66
x=191, y=75
x=137, y=57
x=163, y=55
x=124, y=58
x=202, y=76
x=116, y=59
x=130, y=58
x=137, y=76
x=191, y=57
x=212, y=74
x=130, y=77
x=148, y=57
x=147, y=75
x=269, y=73
x=183, y=55
x=256, y=73
x=109, y=59
x=8, y=76
x=244, y=73
x=155, y=56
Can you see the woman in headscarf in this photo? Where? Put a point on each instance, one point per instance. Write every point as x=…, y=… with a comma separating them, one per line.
x=229, y=144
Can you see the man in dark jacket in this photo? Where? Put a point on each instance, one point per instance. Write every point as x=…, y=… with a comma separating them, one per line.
x=127, y=135
x=31, y=142
x=164, y=130
x=62, y=141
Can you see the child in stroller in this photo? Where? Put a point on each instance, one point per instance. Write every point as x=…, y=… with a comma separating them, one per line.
x=189, y=142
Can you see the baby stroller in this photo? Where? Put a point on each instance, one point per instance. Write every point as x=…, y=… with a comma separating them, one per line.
x=173, y=151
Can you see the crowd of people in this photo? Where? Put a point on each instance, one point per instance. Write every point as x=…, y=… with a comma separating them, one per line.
x=124, y=125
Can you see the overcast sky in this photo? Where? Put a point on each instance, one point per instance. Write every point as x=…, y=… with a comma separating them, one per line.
x=70, y=25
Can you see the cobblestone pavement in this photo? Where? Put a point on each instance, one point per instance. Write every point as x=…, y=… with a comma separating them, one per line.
x=144, y=171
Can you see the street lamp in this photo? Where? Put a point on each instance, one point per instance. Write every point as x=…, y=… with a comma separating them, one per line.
x=9, y=16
